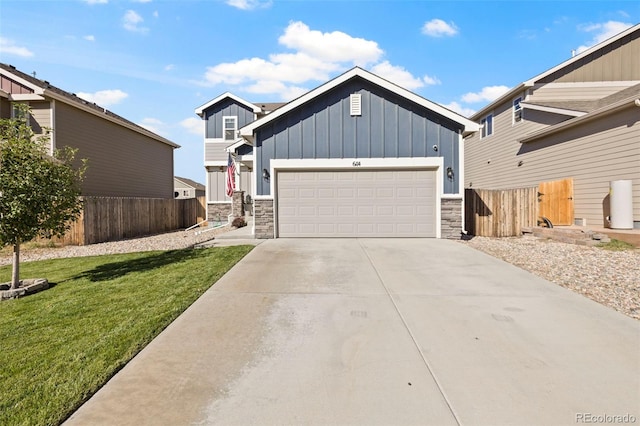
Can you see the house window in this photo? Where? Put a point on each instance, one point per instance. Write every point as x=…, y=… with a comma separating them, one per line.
x=18, y=113
x=230, y=127
x=487, y=126
x=517, y=110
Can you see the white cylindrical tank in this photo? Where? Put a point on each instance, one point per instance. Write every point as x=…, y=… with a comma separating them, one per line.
x=621, y=203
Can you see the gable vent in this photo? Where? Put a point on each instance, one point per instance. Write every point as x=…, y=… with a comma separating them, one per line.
x=356, y=104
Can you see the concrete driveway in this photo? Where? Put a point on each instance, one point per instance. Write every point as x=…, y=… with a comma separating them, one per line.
x=380, y=331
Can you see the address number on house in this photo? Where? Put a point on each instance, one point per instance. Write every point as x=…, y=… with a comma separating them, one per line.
x=356, y=164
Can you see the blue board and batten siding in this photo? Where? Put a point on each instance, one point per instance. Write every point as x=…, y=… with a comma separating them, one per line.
x=390, y=127
x=227, y=107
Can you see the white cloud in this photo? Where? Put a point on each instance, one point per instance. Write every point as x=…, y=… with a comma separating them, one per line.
x=290, y=68
x=249, y=4
x=314, y=56
x=487, y=94
x=431, y=81
x=96, y=1
x=152, y=124
x=287, y=93
x=602, y=32
x=193, y=125
x=334, y=47
x=439, y=28
x=397, y=75
x=169, y=67
x=8, y=47
x=89, y=37
x=104, y=98
x=156, y=14
x=456, y=107
x=141, y=1
x=131, y=21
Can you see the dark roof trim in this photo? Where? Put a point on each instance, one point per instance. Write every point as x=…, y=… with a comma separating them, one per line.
x=44, y=88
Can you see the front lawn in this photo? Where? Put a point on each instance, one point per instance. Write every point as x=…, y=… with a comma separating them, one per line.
x=59, y=346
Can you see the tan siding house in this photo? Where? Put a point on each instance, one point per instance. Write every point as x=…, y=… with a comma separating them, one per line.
x=579, y=120
x=124, y=159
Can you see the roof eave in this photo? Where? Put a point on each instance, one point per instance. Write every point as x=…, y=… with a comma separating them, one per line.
x=200, y=110
x=554, y=110
x=468, y=125
x=92, y=111
x=531, y=82
x=565, y=125
x=507, y=96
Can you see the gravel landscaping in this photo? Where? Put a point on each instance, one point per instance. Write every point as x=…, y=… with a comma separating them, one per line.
x=611, y=278
x=169, y=241
x=608, y=277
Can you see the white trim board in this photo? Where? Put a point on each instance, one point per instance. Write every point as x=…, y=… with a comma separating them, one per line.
x=469, y=126
x=200, y=110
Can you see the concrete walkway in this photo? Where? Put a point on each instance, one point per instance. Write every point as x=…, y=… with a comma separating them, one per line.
x=379, y=331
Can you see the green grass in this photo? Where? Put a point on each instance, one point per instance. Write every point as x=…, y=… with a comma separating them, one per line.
x=616, y=245
x=58, y=347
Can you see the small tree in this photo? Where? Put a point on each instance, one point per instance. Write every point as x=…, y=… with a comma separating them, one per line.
x=39, y=193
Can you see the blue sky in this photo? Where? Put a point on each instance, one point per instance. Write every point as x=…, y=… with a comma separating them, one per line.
x=155, y=61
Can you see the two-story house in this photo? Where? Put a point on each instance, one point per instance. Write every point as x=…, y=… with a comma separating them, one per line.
x=124, y=159
x=578, y=121
x=355, y=157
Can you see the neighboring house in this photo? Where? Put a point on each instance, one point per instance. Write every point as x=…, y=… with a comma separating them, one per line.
x=355, y=157
x=579, y=120
x=187, y=188
x=124, y=159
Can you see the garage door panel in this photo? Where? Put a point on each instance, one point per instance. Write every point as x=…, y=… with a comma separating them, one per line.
x=363, y=203
x=346, y=193
x=326, y=211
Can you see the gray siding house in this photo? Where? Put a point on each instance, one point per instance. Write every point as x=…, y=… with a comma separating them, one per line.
x=124, y=159
x=579, y=120
x=355, y=157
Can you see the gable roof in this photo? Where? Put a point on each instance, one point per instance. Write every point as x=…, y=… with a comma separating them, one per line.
x=191, y=183
x=468, y=125
x=42, y=88
x=530, y=83
x=200, y=110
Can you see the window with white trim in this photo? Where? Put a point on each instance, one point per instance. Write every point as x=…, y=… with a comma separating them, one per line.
x=487, y=126
x=516, y=111
x=229, y=127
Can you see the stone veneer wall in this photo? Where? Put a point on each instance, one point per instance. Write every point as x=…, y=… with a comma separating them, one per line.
x=263, y=218
x=451, y=218
x=218, y=212
x=238, y=204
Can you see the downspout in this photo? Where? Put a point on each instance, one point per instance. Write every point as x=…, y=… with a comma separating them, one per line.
x=461, y=182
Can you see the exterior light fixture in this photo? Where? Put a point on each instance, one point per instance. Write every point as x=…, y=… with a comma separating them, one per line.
x=450, y=172
x=265, y=174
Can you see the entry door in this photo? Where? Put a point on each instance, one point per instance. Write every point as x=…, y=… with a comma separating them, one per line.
x=362, y=203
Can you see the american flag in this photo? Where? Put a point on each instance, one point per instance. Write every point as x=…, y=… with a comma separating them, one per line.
x=231, y=177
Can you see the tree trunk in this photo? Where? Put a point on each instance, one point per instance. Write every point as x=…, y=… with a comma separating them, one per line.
x=15, y=275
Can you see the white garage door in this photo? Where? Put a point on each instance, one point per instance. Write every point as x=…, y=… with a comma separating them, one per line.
x=362, y=203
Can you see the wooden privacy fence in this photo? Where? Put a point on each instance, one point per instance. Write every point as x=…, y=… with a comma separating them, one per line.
x=500, y=213
x=112, y=219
